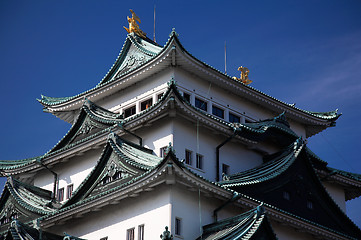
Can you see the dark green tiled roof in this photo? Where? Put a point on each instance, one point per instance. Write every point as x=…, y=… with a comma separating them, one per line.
x=32, y=198
x=21, y=231
x=128, y=153
x=145, y=49
x=266, y=171
x=13, y=164
x=249, y=225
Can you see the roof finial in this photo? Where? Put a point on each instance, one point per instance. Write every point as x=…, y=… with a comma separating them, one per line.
x=133, y=25
x=244, y=75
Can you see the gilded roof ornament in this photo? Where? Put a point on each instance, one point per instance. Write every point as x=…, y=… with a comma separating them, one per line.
x=133, y=25
x=244, y=75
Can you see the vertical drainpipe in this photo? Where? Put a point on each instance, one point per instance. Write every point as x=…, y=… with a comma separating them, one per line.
x=217, y=153
x=55, y=180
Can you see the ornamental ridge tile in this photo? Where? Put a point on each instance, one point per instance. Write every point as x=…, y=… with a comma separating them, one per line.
x=332, y=115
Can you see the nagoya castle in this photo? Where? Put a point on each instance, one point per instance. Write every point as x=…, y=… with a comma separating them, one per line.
x=168, y=147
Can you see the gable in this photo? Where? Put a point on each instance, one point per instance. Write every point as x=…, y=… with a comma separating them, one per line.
x=296, y=189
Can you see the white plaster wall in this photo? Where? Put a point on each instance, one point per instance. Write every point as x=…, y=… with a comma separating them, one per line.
x=158, y=135
x=337, y=193
x=238, y=157
x=196, y=210
x=234, y=154
x=286, y=233
x=226, y=100
x=74, y=171
x=152, y=209
x=137, y=92
x=223, y=98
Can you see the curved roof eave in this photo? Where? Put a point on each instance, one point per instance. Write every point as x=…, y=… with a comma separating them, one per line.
x=53, y=105
x=325, y=119
x=256, y=94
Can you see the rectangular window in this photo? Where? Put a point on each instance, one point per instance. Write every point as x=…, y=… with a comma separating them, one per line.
x=178, y=226
x=146, y=104
x=234, y=118
x=129, y=111
x=199, y=161
x=309, y=204
x=286, y=195
x=141, y=232
x=130, y=234
x=187, y=97
x=60, y=194
x=162, y=151
x=225, y=169
x=217, y=111
x=201, y=104
x=188, y=157
x=69, y=191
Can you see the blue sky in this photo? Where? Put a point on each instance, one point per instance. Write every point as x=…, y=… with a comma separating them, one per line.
x=303, y=52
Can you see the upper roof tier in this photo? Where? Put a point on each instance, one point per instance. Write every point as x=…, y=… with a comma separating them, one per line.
x=141, y=58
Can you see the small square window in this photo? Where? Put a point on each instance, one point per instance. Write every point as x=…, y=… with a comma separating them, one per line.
x=199, y=161
x=60, y=194
x=146, y=104
x=309, y=204
x=130, y=234
x=217, y=111
x=178, y=226
x=69, y=191
x=187, y=97
x=141, y=232
x=201, y=104
x=129, y=111
x=225, y=169
x=286, y=195
x=163, y=151
x=234, y=118
x=188, y=157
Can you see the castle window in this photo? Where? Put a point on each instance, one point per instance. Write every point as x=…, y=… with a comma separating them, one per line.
x=199, y=161
x=201, y=104
x=217, y=111
x=286, y=195
x=130, y=234
x=309, y=204
x=129, y=111
x=141, y=232
x=225, y=169
x=69, y=191
x=234, y=118
x=60, y=194
x=178, y=226
x=162, y=151
x=188, y=157
x=146, y=104
x=187, y=97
